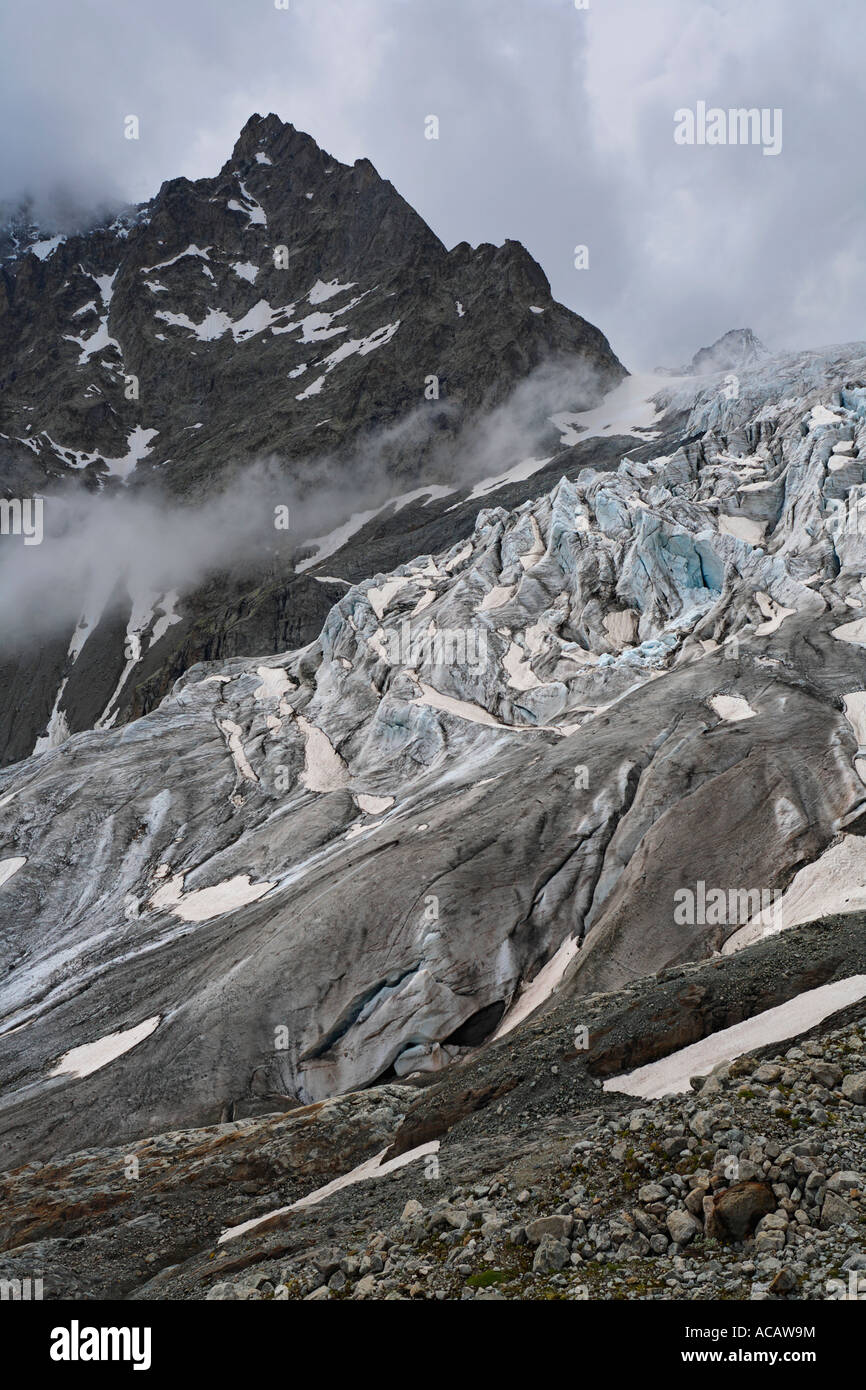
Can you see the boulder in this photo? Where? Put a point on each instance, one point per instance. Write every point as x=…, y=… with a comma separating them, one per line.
x=737, y=1210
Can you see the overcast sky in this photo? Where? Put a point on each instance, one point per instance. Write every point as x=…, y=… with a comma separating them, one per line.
x=556, y=128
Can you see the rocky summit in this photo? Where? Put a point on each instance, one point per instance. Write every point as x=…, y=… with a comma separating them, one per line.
x=430, y=859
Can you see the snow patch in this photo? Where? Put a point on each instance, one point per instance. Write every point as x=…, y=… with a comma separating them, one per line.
x=371, y=1168
x=373, y=805
x=672, y=1075
x=541, y=987
x=254, y=211
x=731, y=708
x=497, y=597
x=362, y=346
x=233, y=733
x=138, y=447
x=627, y=409
x=91, y=1057
x=8, y=867
x=312, y=390
x=42, y=250
x=380, y=598
x=820, y=415
x=321, y=291
x=517, y=474
x=204, y=903
x=324, y=769
x=743, y=528
x=327, y=545
x=463, y=709
x=774, y=613
x=852, y=632
x=834, y=883
x=275, y=683
x=191, y=250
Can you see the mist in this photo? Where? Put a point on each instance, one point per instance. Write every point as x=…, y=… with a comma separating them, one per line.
x=99, y=547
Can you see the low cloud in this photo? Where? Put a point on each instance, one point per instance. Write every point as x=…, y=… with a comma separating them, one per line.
x=96, y=548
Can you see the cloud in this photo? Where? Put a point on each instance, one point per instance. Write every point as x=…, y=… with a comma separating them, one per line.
x=97, y=548
x=556, y=128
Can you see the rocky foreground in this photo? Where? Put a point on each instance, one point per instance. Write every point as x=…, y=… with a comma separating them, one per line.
x=752, y=1188
x=518, y=1175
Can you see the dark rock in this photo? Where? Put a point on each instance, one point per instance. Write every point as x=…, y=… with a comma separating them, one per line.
x=737, y=1210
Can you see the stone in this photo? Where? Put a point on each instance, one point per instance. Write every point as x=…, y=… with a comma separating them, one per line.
x=559, y=1227
x=221, y=1293
x=326, y=1260
x=767, y=1073
x=703, y=1124
x=836, y=1211
x=551, y=1256
x=854, y=1087
x=651, y=1192
x=845, y=1182
x=682, y=1227
x=784, y=1282
x=737, y=1210
x=827, y=1075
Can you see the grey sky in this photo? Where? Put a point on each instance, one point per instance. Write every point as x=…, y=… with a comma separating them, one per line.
x=556, y=128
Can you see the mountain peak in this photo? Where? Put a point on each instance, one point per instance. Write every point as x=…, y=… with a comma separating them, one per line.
x=270, y=140
x=739, y=347
x=735, y=350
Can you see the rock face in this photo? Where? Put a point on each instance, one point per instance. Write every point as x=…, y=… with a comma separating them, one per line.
x=290, y=309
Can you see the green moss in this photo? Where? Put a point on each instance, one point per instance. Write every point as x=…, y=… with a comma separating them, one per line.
x=489, y=1277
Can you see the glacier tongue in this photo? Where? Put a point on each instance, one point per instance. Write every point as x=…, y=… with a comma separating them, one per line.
x=349, y=861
